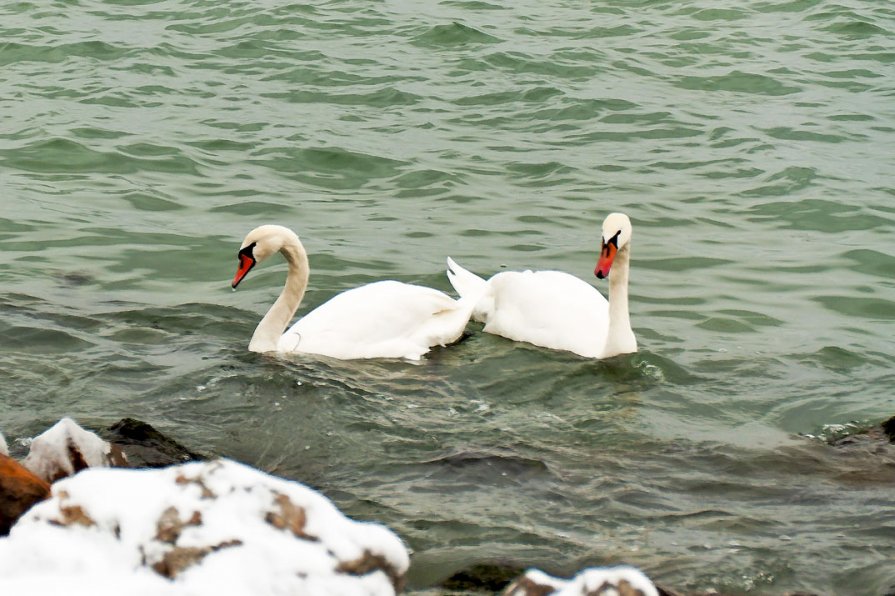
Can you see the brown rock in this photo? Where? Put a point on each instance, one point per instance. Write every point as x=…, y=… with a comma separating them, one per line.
x=181, y=558
x=19, y=490
x=73, y=515
x=169, y=525
x=70, y=514
x=368, y=563
x=290, y=516
x=528, y=587
x=184, y=480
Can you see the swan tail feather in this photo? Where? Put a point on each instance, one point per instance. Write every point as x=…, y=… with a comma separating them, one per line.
x=473, y=290
x=467, y=284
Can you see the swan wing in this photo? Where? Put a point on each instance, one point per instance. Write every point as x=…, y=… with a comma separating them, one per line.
x=386, y=319
x=550, y=309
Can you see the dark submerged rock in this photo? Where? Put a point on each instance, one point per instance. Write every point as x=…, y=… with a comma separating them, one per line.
x=482, y=577
x=146, y=447
x=882, y=434
x=664, y=591
x=888, y=427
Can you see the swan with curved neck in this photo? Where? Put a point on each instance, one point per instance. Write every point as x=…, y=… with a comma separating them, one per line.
x=556, y=310
x=386, y=319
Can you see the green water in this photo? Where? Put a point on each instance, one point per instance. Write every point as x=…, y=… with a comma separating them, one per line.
x=752, y=145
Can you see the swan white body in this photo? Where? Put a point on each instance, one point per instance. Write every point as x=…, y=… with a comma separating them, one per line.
x=386, y=319
x=556, y=310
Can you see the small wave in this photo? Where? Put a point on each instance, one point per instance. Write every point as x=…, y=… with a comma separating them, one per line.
x=857, y=29
x=832, y=217
x=453, y=35
x=18, y=52
x=866, y=308
x=64, y=155
x=738, y=82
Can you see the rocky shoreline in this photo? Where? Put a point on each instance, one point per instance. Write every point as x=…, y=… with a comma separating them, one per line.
x=130, y=507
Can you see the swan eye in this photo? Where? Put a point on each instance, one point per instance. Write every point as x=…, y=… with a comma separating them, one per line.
x=248, y=251
x=613, y=241
x=246, y=262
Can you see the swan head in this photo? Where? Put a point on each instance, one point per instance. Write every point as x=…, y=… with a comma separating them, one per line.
x=616, y=237
x=259, y=244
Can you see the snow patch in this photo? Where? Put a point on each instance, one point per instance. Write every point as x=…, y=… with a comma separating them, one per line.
x=605, y=581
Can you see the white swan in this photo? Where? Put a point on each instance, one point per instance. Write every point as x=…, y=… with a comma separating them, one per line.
x=386, y=319
x=556, y=310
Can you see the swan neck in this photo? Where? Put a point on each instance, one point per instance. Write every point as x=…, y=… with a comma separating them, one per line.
x=620, y=338
x=270, y=329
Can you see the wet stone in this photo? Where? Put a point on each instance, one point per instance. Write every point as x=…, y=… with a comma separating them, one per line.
x=482, y=577
x=146, y=447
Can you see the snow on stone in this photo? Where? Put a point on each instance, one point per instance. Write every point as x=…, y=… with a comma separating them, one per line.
x=596, y=581
x=201, y=529
x=67, y=448
x=4, y=450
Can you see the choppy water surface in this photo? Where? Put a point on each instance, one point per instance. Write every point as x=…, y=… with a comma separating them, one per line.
x=751, y=144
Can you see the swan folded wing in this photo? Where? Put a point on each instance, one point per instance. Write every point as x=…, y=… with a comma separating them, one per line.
x=385, y=319
x=550, y=309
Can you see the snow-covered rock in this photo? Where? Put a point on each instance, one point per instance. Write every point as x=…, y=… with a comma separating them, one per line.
x=67, y=448
x=205, y=528
x=597, y=581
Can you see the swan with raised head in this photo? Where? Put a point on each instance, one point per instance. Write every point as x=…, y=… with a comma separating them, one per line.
x=386, y=319
x=556, y=310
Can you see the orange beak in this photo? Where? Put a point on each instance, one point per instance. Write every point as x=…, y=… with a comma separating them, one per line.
x=246, y=263
x=608, y=250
